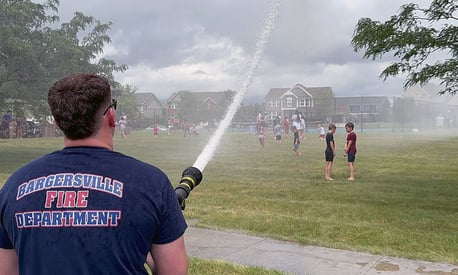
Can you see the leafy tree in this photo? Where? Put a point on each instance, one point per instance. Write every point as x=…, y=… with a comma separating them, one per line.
x=188, y=107
x=415, y=37
x=248, y=112
x=191, y=107
x=125, y=94
x=224, y=105
x=33, y=55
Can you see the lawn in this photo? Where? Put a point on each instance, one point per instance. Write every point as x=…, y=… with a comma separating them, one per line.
x=404, y=201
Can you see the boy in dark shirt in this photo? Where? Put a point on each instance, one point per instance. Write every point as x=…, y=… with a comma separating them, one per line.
x=330, y=151
x=297, y=141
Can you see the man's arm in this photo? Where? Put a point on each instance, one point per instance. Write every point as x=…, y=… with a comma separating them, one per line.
x=347, y=147
x=169, y=258
x=8, y=262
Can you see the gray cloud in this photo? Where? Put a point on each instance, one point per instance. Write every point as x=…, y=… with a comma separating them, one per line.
x=203, y=45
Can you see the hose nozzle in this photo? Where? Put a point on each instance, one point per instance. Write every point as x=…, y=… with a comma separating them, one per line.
x=190, y=178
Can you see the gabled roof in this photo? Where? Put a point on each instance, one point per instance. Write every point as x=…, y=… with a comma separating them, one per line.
x=289, y=93
x=276, y=92
x=216, y=98
x=300, y=90
x=342, y=103
x=417, y=92
x=428, y=93
x=320, y=92
x=364, y=100
x=209, y=99
x=145, y=98
x=173, y=96
x=454, y=101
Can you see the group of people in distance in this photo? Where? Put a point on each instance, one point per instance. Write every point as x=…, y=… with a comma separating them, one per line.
x=298, y=135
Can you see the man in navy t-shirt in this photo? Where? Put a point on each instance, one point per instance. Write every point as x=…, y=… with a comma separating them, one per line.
x=87, y=209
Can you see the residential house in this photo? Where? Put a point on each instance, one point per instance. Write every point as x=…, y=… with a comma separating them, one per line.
x=315, y=103
x=361, y=109
x=149, y=106
x=425, y=105
x=198, y=106
x=318, y=104
x=429, y=93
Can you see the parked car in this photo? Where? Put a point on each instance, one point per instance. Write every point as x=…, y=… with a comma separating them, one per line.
x=32, y=130
x=161, y=128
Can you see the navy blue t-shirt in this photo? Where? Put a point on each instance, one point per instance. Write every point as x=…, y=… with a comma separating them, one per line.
x=329, y=139
x=87, y=210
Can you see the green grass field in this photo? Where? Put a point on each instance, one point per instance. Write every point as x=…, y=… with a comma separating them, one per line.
x=404, y=201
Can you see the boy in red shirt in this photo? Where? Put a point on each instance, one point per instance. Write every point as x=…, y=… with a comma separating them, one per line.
x=350, y=149
x=155, y=131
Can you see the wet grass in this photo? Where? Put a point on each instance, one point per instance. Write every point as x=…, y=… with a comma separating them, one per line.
x=404, y=201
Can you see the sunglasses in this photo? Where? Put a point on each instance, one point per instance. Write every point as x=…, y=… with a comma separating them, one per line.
x=114, y=104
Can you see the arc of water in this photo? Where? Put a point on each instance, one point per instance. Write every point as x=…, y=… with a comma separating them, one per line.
x=208, y=151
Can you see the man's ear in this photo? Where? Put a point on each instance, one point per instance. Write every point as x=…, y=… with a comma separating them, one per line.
x=111, y=118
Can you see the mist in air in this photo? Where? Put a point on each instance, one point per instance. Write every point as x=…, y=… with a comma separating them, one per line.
x=261, y=45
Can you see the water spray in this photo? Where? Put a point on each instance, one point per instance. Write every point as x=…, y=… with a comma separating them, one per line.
x=192, y=176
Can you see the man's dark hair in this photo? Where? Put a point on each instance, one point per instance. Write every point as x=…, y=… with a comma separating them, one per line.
x=350, y=125
x=77, y=101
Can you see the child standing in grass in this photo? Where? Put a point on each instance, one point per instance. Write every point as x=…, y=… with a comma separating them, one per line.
x=296, y=141
x=277, y=131
x=261, y=137
x=321, y=132
x=350, y=149
x=330, y=151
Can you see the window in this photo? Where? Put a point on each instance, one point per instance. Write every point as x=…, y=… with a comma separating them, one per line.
x=305, y=102
x=308, y=103
x=301, y=102
x=370, y=109
x=354, y=108
x=173, y=105
x=289, y=102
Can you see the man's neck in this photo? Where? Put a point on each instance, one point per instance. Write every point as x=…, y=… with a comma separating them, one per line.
x=91, y=141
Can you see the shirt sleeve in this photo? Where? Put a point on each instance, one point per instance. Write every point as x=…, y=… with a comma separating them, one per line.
x=5, y=241
x=172, y=224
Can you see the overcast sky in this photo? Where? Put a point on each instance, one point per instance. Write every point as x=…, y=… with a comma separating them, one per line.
x=204, y=45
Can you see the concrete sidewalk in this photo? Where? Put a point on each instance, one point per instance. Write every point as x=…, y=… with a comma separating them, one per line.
x=298, y=259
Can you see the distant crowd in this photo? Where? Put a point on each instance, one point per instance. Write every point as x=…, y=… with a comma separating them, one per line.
x=11, y=126
x=297, y=126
